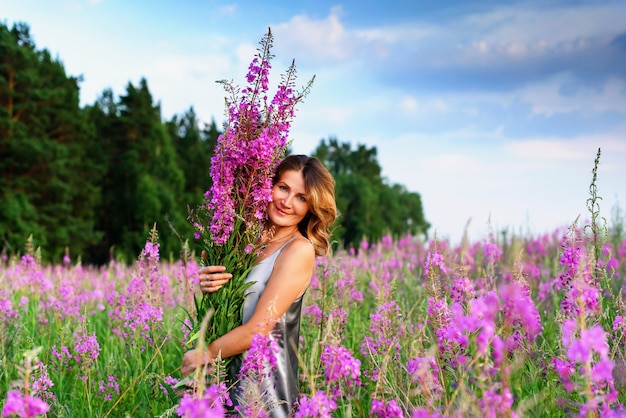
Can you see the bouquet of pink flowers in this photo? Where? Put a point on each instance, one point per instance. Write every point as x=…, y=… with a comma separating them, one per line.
x=230, y=221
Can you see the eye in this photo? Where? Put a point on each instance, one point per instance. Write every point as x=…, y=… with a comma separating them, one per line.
x=282, y=187
x=302, y=198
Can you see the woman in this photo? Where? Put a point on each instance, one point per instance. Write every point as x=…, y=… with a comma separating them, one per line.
x=299, y=219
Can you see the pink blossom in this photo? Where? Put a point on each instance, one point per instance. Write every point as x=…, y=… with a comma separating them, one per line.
x=340, y=368
x=210, y=405
x=382, y=409
x=24, y=406
x=434, y=259
x=260, y=359
x=317, y=406
x=424, y=372
x=42, y=383
x=496, y=403
x=425, y=413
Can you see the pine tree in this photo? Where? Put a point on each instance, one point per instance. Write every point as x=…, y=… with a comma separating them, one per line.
x=45, y=182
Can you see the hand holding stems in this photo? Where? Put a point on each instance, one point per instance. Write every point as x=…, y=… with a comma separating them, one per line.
x=212, y=278
x=195, y=358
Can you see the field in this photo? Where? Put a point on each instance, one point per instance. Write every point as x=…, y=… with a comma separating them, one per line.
x=507, y=326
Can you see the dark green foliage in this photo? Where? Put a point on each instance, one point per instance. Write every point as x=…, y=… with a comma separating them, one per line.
x=369, y=207
x=143, y=182
x=46, y=186
x=194, y=148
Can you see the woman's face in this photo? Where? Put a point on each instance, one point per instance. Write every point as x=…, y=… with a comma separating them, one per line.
x=289, y=205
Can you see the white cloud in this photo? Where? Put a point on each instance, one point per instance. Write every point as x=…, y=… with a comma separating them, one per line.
x=564, y=25
x=228, y=10
x=318, y=39
x=569, y=153
x=245, y=53
x=548, y=150
x=550, y=96
x=409, y=105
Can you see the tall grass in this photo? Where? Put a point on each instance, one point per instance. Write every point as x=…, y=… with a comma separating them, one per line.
x=522, y=326
x=527, y=327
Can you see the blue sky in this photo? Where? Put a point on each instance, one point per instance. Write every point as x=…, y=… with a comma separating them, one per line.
x=492, y=110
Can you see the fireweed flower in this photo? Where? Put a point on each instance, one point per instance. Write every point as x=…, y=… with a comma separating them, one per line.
x=260, y=359
x=570, y=258
x=425, y=413
x=41, y=383
x=565, y=369
x=455, y=334
x=139, y=321
x=314, y=311
x=186, y=329
x=496, y=403
x=493, y=252
x=462, y=289
x=581, y=296
x=31, y=270
x=611, y=266
x=591, y=341
x=385, y=333
x=210, y=405
x=24, y=406
x=242, y=169
x=381, y=409
x=139, y=308
x=257, y=369
x=170, y=382
x=619, y=326
x=434, y=259
x=6, y=311
x=439, y=315
x=591, y=353
x=340, y=368
x=424, y=372
x=87, y=350
x=317, y=406
x=345, y=286
x=521, y=313
x=148, y=284
x=109, y=388
x=64, y=357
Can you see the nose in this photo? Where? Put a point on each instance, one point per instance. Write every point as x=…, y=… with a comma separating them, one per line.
x=287, y=200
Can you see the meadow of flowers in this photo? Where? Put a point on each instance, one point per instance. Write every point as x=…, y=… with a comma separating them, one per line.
x=522, y=326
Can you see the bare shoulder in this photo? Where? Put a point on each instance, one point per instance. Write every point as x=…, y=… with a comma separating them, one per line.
x=300, y=249
x=300, y=246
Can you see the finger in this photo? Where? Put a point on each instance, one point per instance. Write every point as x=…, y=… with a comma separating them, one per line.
x=220, y=278
x=187, y=370
x=204, y=255
x=215, y=278
x=211, y=287
x=211, y=269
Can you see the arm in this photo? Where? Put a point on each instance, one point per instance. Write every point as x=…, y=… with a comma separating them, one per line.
x=290, y=278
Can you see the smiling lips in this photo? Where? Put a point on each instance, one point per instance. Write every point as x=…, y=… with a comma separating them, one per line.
x=281, y=212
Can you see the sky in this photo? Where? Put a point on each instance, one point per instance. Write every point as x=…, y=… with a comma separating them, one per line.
x=493, y=111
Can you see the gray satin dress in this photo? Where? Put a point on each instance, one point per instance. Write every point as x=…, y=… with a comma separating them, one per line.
x=280, y=388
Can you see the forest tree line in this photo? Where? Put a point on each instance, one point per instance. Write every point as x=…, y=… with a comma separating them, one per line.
x=93, y=180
